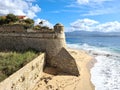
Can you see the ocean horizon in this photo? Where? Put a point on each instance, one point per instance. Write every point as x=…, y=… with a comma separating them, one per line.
x=105, y=75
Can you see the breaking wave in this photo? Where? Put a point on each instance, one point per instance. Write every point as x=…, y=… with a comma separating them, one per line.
x=105, y=74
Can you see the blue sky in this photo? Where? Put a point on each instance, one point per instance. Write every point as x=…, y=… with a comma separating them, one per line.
x=88, y=15
x=67, y=11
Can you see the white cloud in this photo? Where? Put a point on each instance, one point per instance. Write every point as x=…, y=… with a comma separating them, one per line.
x=109, y=27
x=86, y=21
x=94, y=7
x=82, y=1
x=100, y=12
x=92, y=25
x=83, y=24
x=45, y=22
x=91, y=1
x=19, y=7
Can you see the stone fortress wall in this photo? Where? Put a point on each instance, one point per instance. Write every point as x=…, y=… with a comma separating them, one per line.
x=52, y=43
x=49, y=42
x=13, y=28
x=21, y=28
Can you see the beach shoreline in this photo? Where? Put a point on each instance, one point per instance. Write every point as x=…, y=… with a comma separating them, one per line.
x=67, y=82
x=87, y=64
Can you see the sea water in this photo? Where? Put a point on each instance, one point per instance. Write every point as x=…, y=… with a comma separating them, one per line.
x=105, y=75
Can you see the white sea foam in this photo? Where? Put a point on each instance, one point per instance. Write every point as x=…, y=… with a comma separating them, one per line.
x=105, y=74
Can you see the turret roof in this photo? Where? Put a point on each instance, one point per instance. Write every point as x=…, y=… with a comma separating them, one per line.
x=58, y=24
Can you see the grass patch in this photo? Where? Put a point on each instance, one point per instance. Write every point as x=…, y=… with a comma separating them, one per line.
x=10, y=62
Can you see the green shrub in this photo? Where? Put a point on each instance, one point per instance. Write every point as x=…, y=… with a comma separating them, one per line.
x=2, y=20
x=11, y=18
x=10, y=62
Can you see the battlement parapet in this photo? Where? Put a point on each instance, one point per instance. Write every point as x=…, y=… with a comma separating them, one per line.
x=19, y=28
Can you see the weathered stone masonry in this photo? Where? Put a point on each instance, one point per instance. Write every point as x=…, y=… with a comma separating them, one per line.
x=27, y=77
x=53, y=43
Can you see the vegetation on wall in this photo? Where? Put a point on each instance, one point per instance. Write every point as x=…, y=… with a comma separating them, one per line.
x=9, y=19
x=2, y=20
x=37, y=27
x=41, y=26
x=29, y=23
x=13, y=19
x=10, y=62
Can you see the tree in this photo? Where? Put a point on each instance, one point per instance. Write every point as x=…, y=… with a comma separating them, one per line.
x=11, y=18
x=29, y=23
x=2, y=20
x=37, y=27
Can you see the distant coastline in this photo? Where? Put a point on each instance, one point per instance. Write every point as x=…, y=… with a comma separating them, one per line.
x=77, y=34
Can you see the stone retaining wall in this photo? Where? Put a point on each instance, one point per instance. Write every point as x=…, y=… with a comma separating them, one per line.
x=25, y=78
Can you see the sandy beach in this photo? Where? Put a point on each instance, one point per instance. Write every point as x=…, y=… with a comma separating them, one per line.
x=52, y=80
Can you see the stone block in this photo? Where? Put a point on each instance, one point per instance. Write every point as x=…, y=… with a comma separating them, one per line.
x=65, y=63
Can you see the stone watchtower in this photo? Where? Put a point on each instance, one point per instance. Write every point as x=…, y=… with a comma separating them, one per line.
x=59, y=28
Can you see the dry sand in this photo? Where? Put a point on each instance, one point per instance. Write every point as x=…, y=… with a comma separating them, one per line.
x=67, y=82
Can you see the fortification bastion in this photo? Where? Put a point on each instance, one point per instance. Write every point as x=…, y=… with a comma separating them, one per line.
x=52, y=42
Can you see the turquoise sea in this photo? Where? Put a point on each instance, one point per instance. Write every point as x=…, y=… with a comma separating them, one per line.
x=105, y=74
